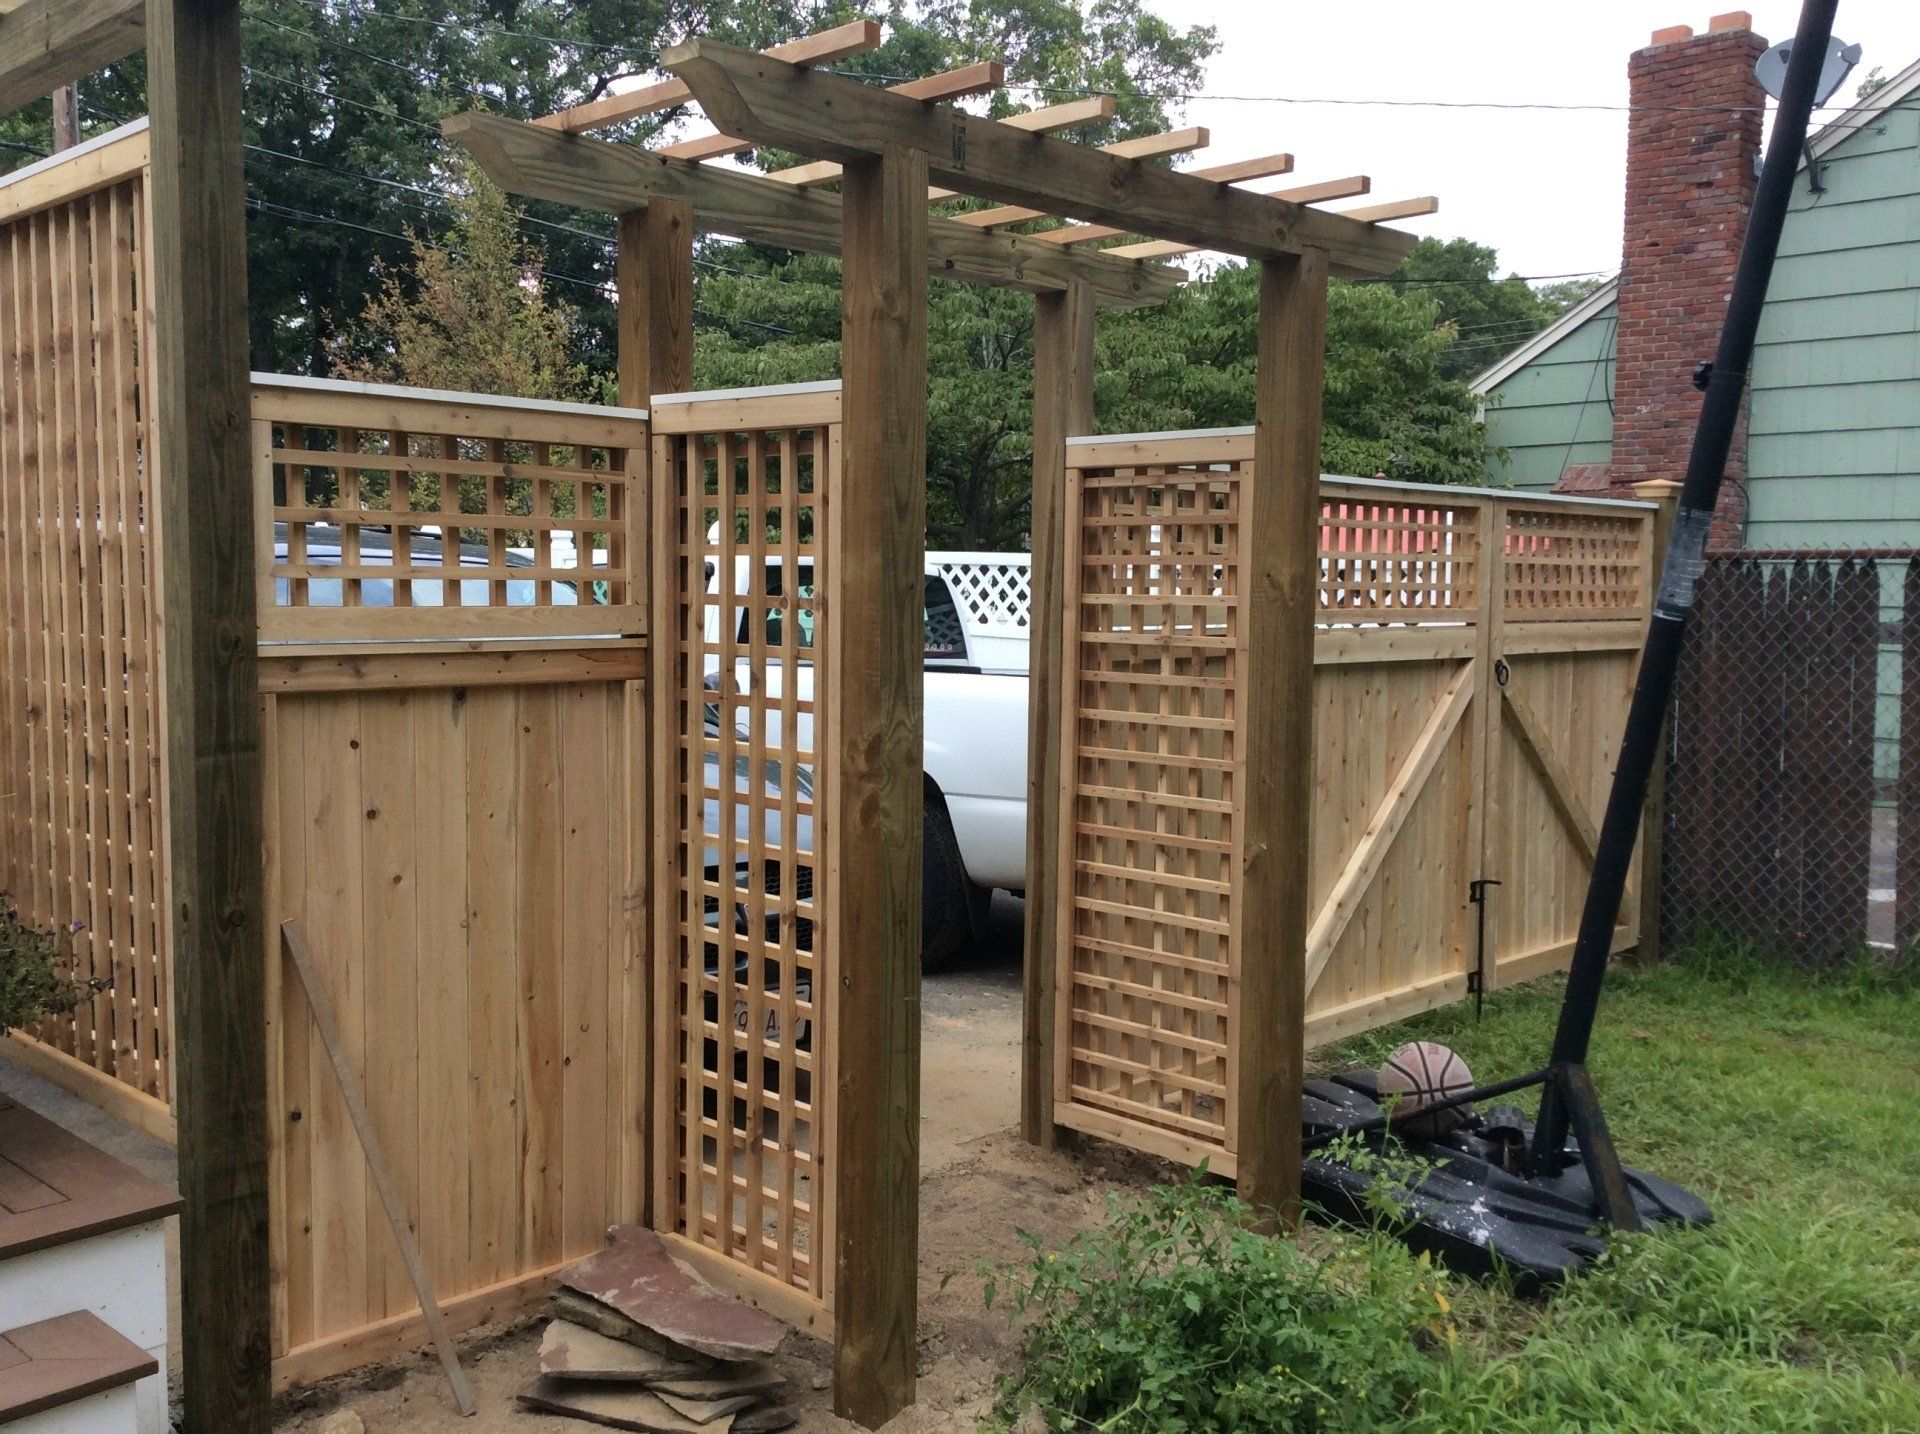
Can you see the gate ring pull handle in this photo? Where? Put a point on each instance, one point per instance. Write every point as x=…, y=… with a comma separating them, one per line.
x=1501, y=672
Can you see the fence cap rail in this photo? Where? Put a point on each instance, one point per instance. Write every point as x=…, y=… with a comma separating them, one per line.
x=734, y=395
x=1241, y=437
x=79, y=151
x=350, y=388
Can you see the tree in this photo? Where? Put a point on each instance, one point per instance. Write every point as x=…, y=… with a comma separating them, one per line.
x=1390, y=407
x=470, y=311
x=1489, y=315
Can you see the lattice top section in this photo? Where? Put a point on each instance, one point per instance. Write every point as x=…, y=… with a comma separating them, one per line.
x=1574, y=564
x=1417, y=560
x=397, y=513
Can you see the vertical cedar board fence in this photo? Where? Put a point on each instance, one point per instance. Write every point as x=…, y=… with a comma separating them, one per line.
x=1473, y=666
x=743, y=1084
x=454, y=796
x=81, y=829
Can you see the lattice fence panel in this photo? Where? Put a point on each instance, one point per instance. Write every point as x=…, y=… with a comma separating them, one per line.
x=993, y=589
x=1153, y=784
x=1573, y=564
x=80, y=800
x=749, y=949
x=419, y=518
x=1391, y=559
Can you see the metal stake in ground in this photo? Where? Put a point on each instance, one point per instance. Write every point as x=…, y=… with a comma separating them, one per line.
x=1568, y=1099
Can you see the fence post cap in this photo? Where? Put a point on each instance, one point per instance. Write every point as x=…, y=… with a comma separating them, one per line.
x=1656, y=490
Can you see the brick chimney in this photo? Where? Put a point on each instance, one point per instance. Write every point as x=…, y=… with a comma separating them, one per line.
x=1693, y=132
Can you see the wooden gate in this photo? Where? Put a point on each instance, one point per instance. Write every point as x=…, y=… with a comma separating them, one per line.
x=1563, y=643
x=745, y=957
x=81, y=835
x=1472, y=668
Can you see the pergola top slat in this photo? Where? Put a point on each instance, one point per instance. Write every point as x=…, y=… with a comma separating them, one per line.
x=770, y=101
x=1394, y=209
x=854, y=38
x=1263, y=167
x=586, y=173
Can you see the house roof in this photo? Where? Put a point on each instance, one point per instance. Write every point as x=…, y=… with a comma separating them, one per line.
x=1507, y=367
x=1827, y=137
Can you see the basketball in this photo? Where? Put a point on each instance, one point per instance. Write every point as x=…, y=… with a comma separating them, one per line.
x=1420, y=1073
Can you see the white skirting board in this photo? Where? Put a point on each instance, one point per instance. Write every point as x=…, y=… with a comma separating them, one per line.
x=120, y=1276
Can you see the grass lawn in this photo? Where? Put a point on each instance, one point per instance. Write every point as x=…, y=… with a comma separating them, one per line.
x=1792, y=1104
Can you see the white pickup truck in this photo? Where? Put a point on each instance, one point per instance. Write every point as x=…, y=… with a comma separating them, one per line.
x=976, y=734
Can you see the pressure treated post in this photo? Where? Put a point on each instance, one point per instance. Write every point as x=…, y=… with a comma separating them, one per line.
x=653, y=274
x=1280, y=579
x=206, y=526
x=878, y=538
x=1062, y=409
x=1653, y=819
x=653, y=281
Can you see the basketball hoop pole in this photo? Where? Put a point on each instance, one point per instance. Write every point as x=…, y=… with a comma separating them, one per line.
x=1568, y=1101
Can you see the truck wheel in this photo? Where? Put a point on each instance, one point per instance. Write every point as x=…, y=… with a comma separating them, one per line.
x=951, y=906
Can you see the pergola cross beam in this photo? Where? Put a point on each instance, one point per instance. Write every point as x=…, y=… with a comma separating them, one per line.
x=616, y=179
x=770, y=101
x=45, y=44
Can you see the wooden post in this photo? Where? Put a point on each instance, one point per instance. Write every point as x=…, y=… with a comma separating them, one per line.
x=1062, y=409
x=654, y=275
x=204, y=478
x=1280, y=548
x=66, y=118
x=874, y=835
x=1653, y=819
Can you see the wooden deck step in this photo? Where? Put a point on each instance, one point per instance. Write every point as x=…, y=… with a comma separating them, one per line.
x=60, y=1361
x=55, y=1188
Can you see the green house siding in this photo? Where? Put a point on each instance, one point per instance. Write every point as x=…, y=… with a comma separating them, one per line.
x=1558, y=410
x=1833, y=454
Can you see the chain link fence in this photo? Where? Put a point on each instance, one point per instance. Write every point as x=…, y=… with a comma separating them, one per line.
x=1788, y=780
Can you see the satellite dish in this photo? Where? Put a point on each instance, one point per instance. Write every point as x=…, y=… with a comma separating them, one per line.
x=1771, y=68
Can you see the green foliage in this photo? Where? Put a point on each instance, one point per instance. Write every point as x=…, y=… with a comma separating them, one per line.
x=1175, y=1314
x=469, y=311
x=1390, y=406
x=1788, y=1099
x=33, y=971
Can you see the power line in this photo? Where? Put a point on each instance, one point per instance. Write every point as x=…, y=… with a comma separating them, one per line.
x=644, y=57
x=340, y=99
x=368, y=55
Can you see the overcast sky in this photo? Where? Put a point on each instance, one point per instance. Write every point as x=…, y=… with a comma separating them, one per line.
x=1541, y=186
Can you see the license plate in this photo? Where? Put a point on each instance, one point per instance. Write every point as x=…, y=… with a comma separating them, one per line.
x=803, y=990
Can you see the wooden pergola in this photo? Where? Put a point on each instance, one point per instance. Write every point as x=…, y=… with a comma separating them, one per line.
x=884, y=149
x=893, y=153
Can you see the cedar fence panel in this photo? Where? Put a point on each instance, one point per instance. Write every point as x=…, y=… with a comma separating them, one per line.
x=1473, y=665
x=747, y=948
x=81, y=835
x=463, y=863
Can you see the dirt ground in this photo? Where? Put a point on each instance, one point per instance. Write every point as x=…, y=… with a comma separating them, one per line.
x=980, y=1185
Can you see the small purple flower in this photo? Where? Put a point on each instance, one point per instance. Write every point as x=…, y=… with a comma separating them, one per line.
x=78, y=926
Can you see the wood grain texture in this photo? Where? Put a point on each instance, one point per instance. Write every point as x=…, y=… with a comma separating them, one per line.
x=826, y=116
x=203, y=466
x=48, y=43
x=654, y=274
x=1283, y=521
x=1062, y=409
x=591, y=174
x=875, y=865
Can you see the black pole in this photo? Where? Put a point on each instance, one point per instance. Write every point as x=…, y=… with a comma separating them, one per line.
x=1699, y=494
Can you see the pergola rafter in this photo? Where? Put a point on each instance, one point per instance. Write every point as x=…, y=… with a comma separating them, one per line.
x=770, y=101
x=615, y=179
